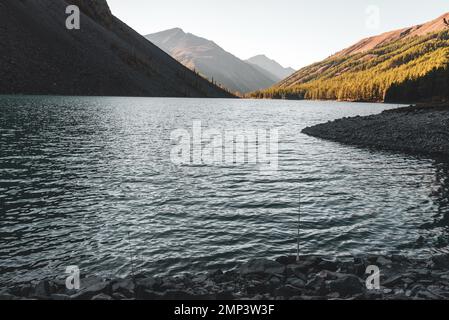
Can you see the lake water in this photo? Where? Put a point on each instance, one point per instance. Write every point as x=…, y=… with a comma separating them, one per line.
x=89, y=182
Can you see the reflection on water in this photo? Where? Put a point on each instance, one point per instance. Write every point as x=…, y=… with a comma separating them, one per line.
x=89, y=182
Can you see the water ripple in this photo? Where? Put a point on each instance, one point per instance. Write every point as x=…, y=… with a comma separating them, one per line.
x=89, y=182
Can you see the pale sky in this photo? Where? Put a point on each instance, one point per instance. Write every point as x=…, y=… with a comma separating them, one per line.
x=293, y=32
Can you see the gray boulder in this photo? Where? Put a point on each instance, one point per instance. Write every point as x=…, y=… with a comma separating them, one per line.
x=262, y=266
x=288, y=291
x=346, y=285
x=90, y=287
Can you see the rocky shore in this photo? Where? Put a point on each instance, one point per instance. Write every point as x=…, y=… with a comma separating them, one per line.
x=417, y=129
x=312, y=278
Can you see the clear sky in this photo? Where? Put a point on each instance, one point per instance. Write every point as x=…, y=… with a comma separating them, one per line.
x=293, y=32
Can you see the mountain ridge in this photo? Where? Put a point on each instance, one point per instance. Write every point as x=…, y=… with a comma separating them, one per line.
x=212, y=61
x=405, y=65
x=271, y=66
x=104, y=58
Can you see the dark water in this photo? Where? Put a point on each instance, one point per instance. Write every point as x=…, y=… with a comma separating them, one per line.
x=89, y=182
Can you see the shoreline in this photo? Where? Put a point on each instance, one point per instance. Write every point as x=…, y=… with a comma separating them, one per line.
x=420, y=129
x=312, y=278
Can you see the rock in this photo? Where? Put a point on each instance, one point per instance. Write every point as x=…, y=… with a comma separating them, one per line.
x=119, y=296
x=346, y=285
x=408, y=281
x=329, y=275
x=317, y=285
x=91, y=287
x=399, y=292
x=392, y=281
x=102, y=296
x=262, y=266
x=296, y=282
x=200, y=278
x=225, y=295
x=214, y=273
x=275, y=281
x=444, y=275
x=261, y=279
x=286, y=260
x=399, y=259
x=328, y=265
x=309, y=264
x=287, y=291
x=333, y=295
x=420, y=272
x=427, y=295
x=23, y=291
x=261, y=287
x=42, y=289
x=228, y=276
x=294, y=270
x=208, y=284
x=124, y=286
x=416, y=288
x=359, y=269
x=350, y=267
x=382, y=261
x=147, y=284
x=374, y=295
x=441, y=261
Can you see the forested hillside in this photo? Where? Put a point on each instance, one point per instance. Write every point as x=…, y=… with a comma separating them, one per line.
x=404, y=70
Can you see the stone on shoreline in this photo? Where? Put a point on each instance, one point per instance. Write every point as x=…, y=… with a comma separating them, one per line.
x=262, y=266
x=417, y=130
x=346, y=285
x=310, y=278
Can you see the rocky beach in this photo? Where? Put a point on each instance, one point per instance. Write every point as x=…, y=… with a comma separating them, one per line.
x=311, y=278
x=419, y=129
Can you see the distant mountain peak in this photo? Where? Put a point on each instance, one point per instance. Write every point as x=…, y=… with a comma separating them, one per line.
x=260, y=56
x=270, y=65
x=174, y=31
x=177, y=29
x=212, y=61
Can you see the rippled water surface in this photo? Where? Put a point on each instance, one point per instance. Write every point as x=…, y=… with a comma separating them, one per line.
x=89, y=182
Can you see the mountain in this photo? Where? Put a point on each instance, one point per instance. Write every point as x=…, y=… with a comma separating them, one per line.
x=406, y=65
x=271, y=66
x=212, y=61
x=39, y=55
x=392, y=36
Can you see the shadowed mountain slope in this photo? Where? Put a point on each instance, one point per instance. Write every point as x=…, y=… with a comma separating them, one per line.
x=39, y=55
